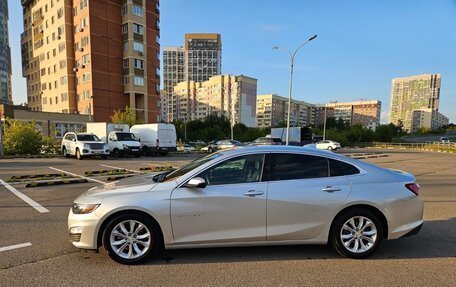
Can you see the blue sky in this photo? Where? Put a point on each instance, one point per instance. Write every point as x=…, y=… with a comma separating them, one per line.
x=361, y=44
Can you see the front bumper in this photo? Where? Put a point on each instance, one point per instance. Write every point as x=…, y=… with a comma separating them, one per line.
x=131, y=151
x=82, y=230
x=94, y=152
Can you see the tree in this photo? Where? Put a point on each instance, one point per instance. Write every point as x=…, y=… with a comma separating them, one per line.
x=126, y=117
x=22, y=137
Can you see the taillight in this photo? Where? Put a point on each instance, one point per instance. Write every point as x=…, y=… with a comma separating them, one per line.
x=413, y=187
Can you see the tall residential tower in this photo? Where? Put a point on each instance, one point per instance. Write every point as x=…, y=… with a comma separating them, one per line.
x=413, y=93
x=197, y=61
x=5, y=56
x=92, y=57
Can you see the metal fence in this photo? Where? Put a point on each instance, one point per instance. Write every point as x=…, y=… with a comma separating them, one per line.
x=436, y=145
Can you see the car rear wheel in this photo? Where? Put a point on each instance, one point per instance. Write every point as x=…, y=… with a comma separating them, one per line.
x=330, y=148
x=210, y=150
x=356, y=233
x=116, y=153
x=131, y=239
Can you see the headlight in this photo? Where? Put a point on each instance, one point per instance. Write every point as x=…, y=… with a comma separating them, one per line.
x=125, y=146
x=79, y=208
x=86, y=146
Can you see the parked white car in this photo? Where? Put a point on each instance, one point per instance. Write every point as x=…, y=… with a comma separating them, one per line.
x=83, y=145
x=328, y=145
x=186, y=148
x=118, y=137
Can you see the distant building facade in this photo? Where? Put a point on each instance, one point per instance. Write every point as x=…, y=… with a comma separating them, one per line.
x=363, y=112
x=427, y=118
x=271, y=110
x=420, y=92
x=198, y=60
x=50, y=124
x=5, y=56
x=231, y=96
x=92, y=57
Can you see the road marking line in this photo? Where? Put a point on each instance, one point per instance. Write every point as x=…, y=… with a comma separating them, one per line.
x=6, y=248
x=24, y=197
x=115, y=167
x=77, y=175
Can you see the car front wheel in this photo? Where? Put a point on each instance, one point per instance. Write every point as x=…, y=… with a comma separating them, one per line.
x=131, y=239
x=356, y=233
x=78, y=154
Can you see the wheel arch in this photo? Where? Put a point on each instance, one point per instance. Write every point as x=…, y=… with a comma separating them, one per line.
x=99, y=235
x=371, y=208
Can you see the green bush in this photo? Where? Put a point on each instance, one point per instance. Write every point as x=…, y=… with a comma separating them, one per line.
x=21, y=138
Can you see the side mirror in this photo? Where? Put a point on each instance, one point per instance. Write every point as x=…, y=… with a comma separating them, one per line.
x=196, y=182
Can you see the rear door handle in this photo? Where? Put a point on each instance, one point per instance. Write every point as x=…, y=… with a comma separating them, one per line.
x=331, y=189
x=253, y=193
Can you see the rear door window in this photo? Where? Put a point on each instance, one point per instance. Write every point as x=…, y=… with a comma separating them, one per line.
x=297, y=166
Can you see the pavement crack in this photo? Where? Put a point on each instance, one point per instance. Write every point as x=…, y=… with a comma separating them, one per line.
x=39, y=260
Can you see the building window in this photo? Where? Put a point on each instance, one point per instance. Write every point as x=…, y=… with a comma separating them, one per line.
x=125, y=63
x=139, y=64
x=139, y=81
x=44, y=101
x=124, y=10
x=84, y=22
x=137, y=10
x=85, y=59
x=83, y=4
x=86, y=77
x=126, y=80
x=125, y=28
x=85, y=41
x=138, y=47
x=125, y=46
x=86, y=94
x=63, y=80
x=138, y=29
x=59, y=13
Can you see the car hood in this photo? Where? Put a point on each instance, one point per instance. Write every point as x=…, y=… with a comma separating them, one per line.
x=140, y=183
x=131, y=143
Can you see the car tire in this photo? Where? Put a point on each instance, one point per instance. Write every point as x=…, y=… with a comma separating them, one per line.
x=116, y=153
x=330, y=148
x=120, y=241
x=65, y=153
x=78, y=154
x=356, y=233
x=210, y=150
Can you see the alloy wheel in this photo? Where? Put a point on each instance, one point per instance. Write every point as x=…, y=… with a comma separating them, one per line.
x=130, y=239
x=358, y=234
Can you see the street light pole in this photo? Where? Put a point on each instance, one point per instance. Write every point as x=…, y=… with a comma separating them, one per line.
x=324, y=126
x=292, y=56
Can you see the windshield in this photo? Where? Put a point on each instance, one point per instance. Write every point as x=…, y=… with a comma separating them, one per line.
x=125, y=137
x=191, y=166
x=88, y=137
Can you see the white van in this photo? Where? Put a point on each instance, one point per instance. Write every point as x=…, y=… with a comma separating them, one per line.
x=118, y=137
x=156, y=138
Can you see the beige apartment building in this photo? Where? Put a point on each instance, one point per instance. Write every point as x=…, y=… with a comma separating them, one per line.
x=197, y=61
x=92, y=57
x=272, y=109
x=419, y=92
x=228, y=95
x=427, y=118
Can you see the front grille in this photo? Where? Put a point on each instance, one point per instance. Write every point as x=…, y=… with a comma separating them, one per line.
x=96, y=145
x=75, y=237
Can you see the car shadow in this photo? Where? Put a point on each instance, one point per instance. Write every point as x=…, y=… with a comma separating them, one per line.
x=437, y=239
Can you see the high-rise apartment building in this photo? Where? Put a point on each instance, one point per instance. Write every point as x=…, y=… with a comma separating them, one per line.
x=413, y=93
x=427, y=118
x=92, y=57
x=231, y=96
x=5, y=56
x=197, y=61
x=272, y=109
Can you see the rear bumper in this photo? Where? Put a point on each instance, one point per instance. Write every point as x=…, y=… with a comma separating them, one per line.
x=414, y=231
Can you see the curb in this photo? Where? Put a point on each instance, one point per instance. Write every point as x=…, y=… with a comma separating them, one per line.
x=112, y=178
x=157, y=168
x=55, y=182
x=104, y=171
x=14, y=177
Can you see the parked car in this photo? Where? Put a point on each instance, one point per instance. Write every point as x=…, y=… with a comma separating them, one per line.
x=267, y=141
x=83, y=145
x=444, y=140
x=261, y=195
x=186, y=148
x=328, y=145
x=223, y=144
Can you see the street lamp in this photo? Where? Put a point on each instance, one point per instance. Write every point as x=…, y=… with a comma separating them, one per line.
x=292, y=55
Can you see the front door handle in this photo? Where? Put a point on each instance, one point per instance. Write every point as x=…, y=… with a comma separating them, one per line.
x=331, y=189
x=253, y=193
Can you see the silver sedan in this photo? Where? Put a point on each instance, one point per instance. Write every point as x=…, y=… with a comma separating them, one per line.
x=265, y=195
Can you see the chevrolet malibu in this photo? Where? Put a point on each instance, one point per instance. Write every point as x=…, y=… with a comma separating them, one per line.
x=266, y=195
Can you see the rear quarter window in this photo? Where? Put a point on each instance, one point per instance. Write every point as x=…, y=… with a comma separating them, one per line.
x=298, y=166
x=340, y=168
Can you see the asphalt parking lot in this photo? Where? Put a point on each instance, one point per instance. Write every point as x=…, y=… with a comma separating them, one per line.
x=34, y=246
